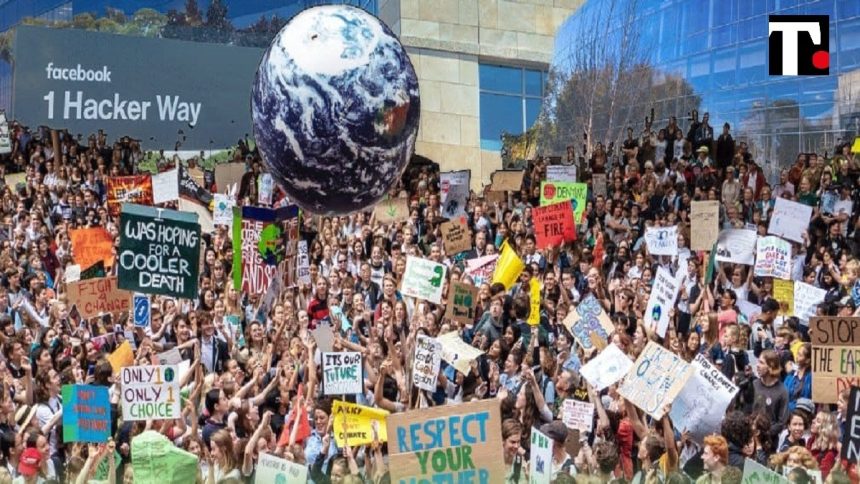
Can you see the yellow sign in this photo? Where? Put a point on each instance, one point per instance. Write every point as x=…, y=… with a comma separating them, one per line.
x=121, y=357
x=355, y=424
x=534, y=297
x=509, y=267
x=783, y=292
x=855, y=148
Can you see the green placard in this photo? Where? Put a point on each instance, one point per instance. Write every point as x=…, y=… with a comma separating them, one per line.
x=554, y=192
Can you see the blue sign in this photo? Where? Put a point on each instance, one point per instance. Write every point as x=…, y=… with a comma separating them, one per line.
x=141, y=310
x=86, y=413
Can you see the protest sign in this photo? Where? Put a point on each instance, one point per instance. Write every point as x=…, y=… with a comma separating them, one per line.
x=303, y=263
x=589, y=324
x=609, y=366
x=456, y=352
x=204, y=215
x=507, y=180
x=86, y=413
x=561, y=173
x=508, y=267
x=661, y=301
x=91, y=245
x=705, y=228
x=737, y=246
x=789, y=219
x=851, y=438
x=95, y=297
x=462, y=300
x=128, y=189
x=271, y=469
x=222, y=213
x=190, y=189
x=150, y=392
x=454, y=192
x=700, y=406
x=552, y=192
x=540, y=465
x=155, y=460
x=141, y=310
x=426, y=364
x=806, y=300
x=266, y=186
x=324, y=337
x=254, y=227
x=165, y=186
x=227, y=174
x=749, y=310
x=481, y=269
x=783, y=292
x=121, y=357
x=159, y=251
x=357, y=424
x=835, y=365
x=578, y=415
x=13, y=180
x=655, y=379
x=534, y=302
x=423, y=279
x=170, y=357
x=342, y=373
x=598, y=181
x=450, y=443
x=773, y=258
x=662, y=240
x=553, y=225
x=456, y=236
x=73, y=273
x=391, y=210
x=755, y=473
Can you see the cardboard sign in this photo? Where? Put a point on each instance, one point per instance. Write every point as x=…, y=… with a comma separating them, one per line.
x=806, y=300
x=121, y=357
x=507, y=180
x=426, y=364
x=577, y=193
x=655, y=379
x=274, y=469
x=773, y=258
x=86, y=413
x=462, y=300
x=456, y=352
x=141, y=310
x=607, y=368
x=789, y=219
x=128, y=189
x=159, y=251
x=554, y=225
x=598, y=182
x=561, y=173
x=91, y=245
x=456, y=236
x=851, y=438
x=589, y=324
x=342, y=373
x=392, y=210
x=150, y=393
x=227, y=174
x=737, y=246
x=423, y=279
x=662, y=240
x=540, y=465
x=702, y=403
x=578, y=415
x=757, y=473
x=95, y=297
x=451, y=443
x=705, y=224
x=783, y=292
x=834, y=365
x=165, y=186
x=661, y=301
x=357, y=424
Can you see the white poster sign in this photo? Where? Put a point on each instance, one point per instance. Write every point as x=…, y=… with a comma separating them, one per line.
x=737, y=246
x=662, y=240
x=454, y=191
x=540, y=467
x=609, y=366
x=303, y=263
x=661, y=301
x=789, y=219
x=222, y=210
x=267, y=187
x=423, y=279
x=561, y=173
x=165, y=186
x=702, y=403
x=274, y=469
x=773, y=258
x=578, y=415
x=150, y=393
x=457, y=352
x=806, y=300
x=426, y=364
x=342, y=373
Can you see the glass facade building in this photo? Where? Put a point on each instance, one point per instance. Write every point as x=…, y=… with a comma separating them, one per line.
x=720, y=47
x=511, y=99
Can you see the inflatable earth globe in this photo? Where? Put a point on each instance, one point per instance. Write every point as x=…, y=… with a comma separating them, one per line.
x=335, y=109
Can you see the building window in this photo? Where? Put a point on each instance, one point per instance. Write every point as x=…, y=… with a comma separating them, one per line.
x=511, y=99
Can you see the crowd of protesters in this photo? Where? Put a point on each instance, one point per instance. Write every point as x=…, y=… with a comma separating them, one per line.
x=245, y=389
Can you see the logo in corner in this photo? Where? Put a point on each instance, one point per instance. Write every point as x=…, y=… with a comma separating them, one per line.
x=798, y=45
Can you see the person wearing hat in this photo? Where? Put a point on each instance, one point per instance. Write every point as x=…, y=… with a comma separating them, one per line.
x=29, y=465
x=702, y=158
x=562, y=462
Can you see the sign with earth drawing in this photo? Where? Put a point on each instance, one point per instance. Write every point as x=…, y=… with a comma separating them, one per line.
x=662, y=300
x=554, y=192
x=423, y=279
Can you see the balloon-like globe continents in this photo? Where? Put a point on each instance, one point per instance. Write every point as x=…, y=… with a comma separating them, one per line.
x=335, y=109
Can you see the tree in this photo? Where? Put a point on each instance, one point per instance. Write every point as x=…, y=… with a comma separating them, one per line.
x=216, y=16
x=193, y=16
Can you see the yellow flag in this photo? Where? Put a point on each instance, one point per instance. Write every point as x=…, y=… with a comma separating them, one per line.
x=508, y=267
x=121, y=357
x=534, y=297
x=356, y=423
x=855, y=148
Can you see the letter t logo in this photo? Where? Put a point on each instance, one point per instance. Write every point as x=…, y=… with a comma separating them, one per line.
x=798, y=45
